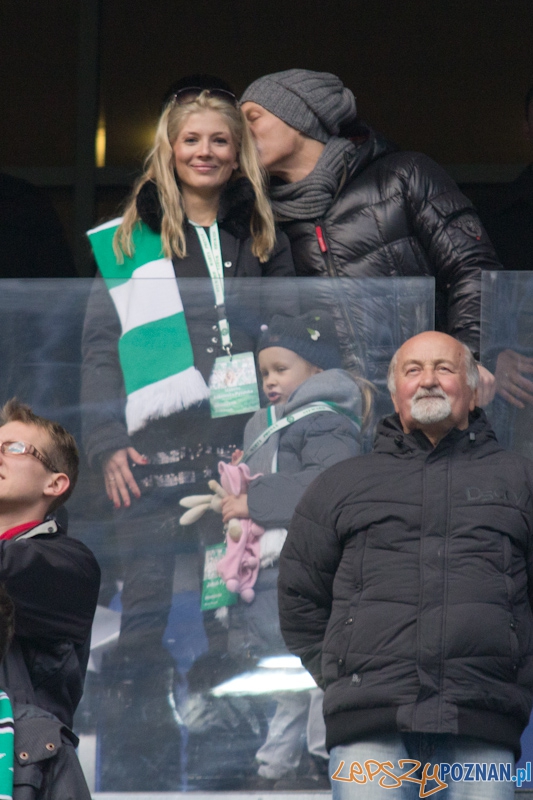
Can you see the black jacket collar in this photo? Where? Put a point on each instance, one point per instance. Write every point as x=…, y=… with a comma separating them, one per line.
x=390, y=436
x=234, y=214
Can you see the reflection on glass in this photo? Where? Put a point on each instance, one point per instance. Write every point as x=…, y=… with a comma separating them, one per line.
x=507, y=350
x=196, y=678
x=507, y=347
x=275, y=674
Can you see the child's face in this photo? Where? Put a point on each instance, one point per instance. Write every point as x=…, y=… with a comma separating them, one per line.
x=282, y=372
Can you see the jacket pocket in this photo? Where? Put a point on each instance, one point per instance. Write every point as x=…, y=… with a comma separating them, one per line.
x=46, y=766
x=350, y=618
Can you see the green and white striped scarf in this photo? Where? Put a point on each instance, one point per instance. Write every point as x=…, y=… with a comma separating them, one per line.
x=7, y=747
x=155, y=350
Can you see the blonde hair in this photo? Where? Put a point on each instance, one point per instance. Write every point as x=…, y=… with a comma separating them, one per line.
x=159, y=168
x=368, y=392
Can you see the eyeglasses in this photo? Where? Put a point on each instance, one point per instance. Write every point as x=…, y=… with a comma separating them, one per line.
x=23, y=449
x=190, y=93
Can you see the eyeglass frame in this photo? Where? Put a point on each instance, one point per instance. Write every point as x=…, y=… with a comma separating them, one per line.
x=223, y=94
x=29, y=450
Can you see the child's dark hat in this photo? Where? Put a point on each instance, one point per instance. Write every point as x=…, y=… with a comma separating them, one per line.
x=311, y=336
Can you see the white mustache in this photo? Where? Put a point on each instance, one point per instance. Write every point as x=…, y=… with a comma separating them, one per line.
x=420, y=394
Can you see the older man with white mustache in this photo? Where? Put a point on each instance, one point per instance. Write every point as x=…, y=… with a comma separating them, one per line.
x=406, y=585
x=433, y=382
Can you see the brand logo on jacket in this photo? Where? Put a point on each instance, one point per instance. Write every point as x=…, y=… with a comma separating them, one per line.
x=474, y=493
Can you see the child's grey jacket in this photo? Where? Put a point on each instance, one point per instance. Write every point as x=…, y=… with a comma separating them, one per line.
x=304, y=449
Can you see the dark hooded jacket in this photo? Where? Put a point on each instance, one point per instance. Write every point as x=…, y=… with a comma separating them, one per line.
x=395, y=214
x=53, y=581
x=405, y=587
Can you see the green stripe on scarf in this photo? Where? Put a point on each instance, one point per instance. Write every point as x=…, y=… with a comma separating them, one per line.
x=154, y=349
x=144, y=352
x=147, y=247
x=7, y=747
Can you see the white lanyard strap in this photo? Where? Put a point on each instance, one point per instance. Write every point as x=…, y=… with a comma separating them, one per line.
x=283, y=423
x=213, y=259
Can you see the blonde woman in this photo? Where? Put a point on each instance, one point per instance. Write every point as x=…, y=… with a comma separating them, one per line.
x=147, y=421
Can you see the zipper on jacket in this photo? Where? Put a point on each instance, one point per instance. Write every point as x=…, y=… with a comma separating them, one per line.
x=324, y=249
x=321, y=241
x=356, y=343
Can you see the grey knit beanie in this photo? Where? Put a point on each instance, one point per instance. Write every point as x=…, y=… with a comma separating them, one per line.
x=315, y=103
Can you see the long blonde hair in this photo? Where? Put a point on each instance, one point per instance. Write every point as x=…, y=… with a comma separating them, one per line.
x=159, y=168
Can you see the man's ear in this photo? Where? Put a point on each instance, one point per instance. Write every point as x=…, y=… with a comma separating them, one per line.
x=395, y=404
x=57, y=485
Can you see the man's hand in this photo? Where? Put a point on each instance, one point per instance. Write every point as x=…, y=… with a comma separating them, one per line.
x=510, y=381
x=119, y=480
x=235, y=506
x=486, y=387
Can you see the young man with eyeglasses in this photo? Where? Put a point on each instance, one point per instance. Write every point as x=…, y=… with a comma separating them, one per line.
x=53, y=581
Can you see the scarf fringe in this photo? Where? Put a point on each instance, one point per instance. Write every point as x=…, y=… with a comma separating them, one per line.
x=165, y=397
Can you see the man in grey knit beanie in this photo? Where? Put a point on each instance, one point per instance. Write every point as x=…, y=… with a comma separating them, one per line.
x=352, y=205
x=305, y=110
x=315, y=103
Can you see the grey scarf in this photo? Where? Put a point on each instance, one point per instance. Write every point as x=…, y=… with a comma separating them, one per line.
x=311, y=197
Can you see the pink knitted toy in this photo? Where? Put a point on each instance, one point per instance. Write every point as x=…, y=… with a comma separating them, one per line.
x=240, y=565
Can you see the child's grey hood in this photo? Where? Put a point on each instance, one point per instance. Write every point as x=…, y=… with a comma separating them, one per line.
x=332, y=386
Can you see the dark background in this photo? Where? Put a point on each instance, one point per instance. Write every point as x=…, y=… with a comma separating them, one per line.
x=447, y=77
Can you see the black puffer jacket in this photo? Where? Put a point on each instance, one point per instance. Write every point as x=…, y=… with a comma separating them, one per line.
x=404, y=587
x=395, y=214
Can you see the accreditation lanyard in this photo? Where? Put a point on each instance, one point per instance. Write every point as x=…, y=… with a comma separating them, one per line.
x=283, y=423
x=213, y=259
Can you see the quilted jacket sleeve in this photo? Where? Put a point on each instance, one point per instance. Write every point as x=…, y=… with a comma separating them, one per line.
x=455, y=241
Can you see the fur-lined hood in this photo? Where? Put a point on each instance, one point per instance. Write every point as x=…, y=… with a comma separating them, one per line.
x=235, y=211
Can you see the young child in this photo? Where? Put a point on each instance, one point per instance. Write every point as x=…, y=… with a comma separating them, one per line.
x=300, y=364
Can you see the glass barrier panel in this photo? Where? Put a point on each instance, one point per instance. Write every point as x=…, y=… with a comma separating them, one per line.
x=507, y=350
x=189, y=684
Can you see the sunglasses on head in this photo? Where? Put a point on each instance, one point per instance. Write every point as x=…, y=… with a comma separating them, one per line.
x=190, y=93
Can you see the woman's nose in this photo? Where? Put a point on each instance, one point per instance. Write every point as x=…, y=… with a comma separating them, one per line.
x=204, y=147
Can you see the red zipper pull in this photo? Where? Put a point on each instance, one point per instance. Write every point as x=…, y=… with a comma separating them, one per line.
x=321, y=241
